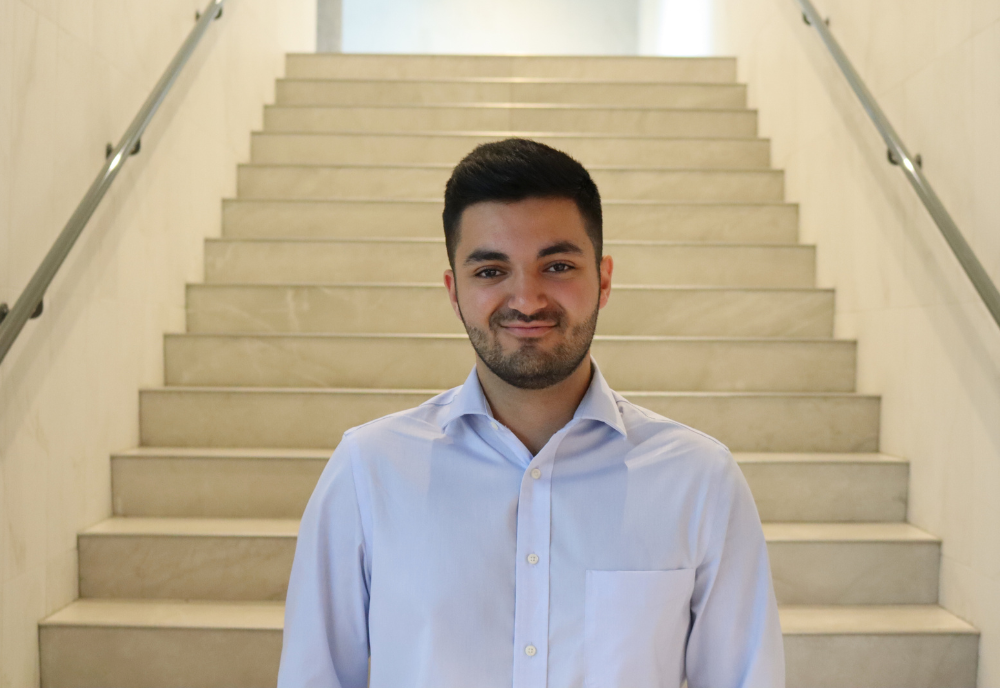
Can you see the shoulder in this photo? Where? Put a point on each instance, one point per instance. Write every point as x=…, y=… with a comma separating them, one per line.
x=417, y=423
x=644, y=426
x=658, y=439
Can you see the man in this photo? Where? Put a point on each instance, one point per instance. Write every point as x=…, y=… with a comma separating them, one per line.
x=532, y=527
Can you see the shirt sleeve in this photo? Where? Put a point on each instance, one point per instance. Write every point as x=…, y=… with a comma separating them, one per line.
x=735, y=639
x=325, y=641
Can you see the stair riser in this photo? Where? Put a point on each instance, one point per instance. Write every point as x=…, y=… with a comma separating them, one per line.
x=333, y=149
x=213, y=488
x=298, y=262
x=383, y=92
x=423, y=363
x=257, y=568
x=709, y=70
x=831, y=492
x=403, y=309
x=279, y=488
x=185, y=568
x=314, y=182
x=526, y=120
x=95, y=657
x=176, y=417
x=881, y=661
x=855, y=573
x=126, y=657
x=644, y=221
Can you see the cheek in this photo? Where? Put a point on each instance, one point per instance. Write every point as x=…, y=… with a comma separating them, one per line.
x=578, y=297
x=478, y=302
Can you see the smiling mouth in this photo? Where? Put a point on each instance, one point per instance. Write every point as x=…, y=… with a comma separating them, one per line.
x=528, y=331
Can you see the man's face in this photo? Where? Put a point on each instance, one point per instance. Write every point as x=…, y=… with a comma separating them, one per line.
x=527, y=287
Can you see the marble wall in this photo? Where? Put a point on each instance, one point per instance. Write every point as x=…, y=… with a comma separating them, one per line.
x=72, y=75
x=329, y=14
x=927, y=344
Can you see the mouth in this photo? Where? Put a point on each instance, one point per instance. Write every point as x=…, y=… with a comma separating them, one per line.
x=528, y=330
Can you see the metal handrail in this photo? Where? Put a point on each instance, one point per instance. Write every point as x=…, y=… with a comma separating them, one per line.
x=29, y=304
x=899, y=155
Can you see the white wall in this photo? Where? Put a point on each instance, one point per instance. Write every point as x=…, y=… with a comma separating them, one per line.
x=678, y=28
x=559, y=27
x=926, y=343
x=72, y=75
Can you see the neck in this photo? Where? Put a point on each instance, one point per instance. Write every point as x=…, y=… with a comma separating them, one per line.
x=535, y=415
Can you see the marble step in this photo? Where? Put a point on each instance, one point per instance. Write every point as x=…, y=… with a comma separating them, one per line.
x=853, y=563
x=318, y=417
x=526, y=119
x=161, y=644
x=422, y=181
x=187, y=558
x=354, y=91
x=636, y=220
x=449, y=148
x=250, y=559
x=443, y=361
x=276, y=483
x=902, y=646
x=424, y=308
x=175, y=644
x=584, y=68
x=283, y=261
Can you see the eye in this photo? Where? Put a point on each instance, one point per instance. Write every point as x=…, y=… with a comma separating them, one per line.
x=560, y=267
x=488, y=273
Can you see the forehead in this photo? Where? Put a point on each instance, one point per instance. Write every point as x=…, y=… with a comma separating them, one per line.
x=523, y=225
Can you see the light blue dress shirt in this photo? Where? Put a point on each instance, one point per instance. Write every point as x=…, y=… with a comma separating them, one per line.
x=627, y=553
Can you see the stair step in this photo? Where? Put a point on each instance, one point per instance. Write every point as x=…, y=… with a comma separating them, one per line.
x=313, y=417
x=853, y=563
x=250, y=559
x=424, y=308
x=167, y=644
x=353, y=91
x=419, y=181
x=215, y=482
x=139, y=643
x=444, y=361
x=637, y=220
x=906, y=646
x=827, y=487
x=334, y=66
x=527, y=119
x=283, y=261
x=276, y=483
x=449, y=148
x=187, y=558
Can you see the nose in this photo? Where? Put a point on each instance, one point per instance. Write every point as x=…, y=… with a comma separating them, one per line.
x=527, y=294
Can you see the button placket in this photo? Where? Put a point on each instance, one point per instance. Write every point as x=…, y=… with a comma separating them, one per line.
x=531, y=586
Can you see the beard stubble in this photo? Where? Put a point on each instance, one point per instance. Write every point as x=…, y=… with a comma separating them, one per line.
x=529, y=366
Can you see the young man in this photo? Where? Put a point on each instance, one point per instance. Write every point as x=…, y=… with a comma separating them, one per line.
x=532, y=527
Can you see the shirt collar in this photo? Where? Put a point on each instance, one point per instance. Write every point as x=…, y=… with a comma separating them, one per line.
x=599, y=403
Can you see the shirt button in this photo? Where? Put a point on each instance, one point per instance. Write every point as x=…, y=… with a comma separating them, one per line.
x=530, y=650
x=535, y=473
x=494, y=425
x=532, y=559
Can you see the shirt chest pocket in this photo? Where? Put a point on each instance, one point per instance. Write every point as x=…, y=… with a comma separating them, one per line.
x=635, y=627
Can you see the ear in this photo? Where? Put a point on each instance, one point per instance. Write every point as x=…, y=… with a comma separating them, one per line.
x=607, y=267
x=449, y=283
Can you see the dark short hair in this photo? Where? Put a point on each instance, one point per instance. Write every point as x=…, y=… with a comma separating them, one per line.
x=513, y=170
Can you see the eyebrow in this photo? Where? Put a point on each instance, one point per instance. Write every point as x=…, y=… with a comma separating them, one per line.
x=560, y=247
x=483, y=255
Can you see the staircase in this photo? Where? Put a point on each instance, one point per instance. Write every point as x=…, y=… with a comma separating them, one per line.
x=323, y=308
